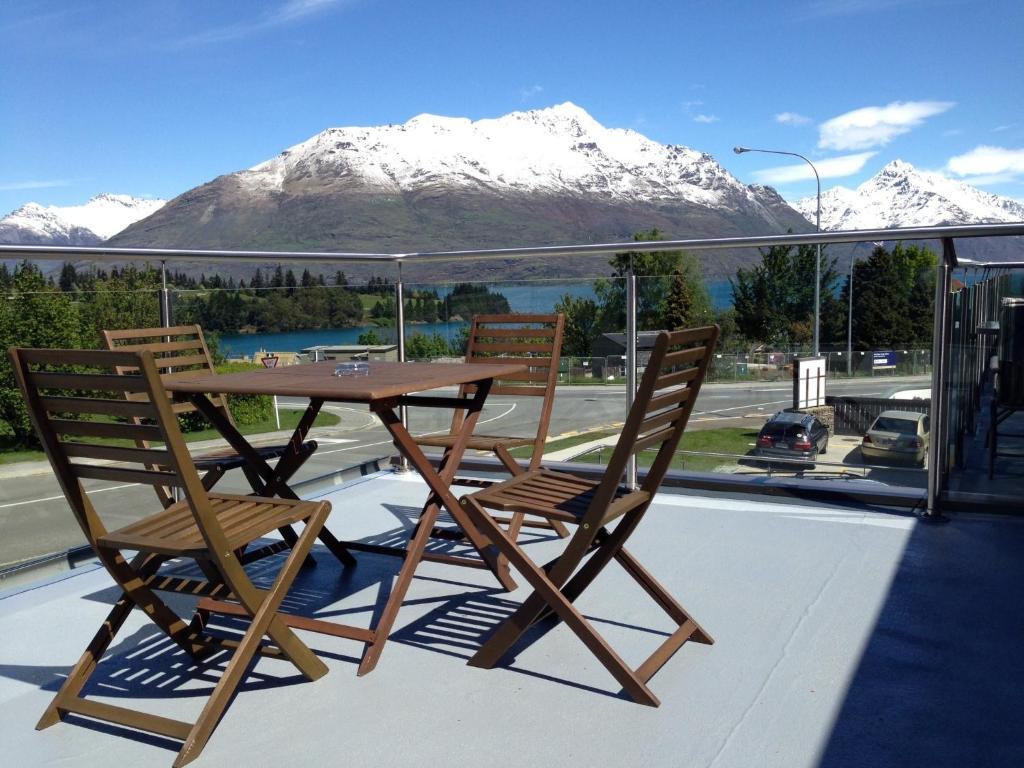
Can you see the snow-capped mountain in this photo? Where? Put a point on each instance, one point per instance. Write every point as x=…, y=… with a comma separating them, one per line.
x=900, y=195
x=546, y=176
x=97, y=220
x=559, y=150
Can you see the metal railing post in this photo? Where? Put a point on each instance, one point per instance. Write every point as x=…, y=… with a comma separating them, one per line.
x=937, y=452
x=630, y=361
x=403, y=412
x=165, y=298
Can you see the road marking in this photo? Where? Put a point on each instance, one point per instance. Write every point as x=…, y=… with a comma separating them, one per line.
x=740, y=407
x=422, y=434
x=57, y=498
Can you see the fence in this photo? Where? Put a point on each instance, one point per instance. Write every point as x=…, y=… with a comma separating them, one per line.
x=853, y=415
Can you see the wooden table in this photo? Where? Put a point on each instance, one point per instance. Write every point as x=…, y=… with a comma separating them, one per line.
x=385, y=388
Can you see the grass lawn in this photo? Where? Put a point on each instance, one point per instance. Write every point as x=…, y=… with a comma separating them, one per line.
x=732, y=440
x=9, y=453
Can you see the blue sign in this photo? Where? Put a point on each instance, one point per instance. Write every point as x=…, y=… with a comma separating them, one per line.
x=883, y=360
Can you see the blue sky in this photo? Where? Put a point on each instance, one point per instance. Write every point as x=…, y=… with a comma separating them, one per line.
x=152, y=98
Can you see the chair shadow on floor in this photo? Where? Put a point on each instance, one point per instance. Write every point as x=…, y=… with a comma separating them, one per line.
x=459, y=625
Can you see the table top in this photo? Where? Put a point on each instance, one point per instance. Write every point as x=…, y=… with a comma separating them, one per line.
x=317, y=380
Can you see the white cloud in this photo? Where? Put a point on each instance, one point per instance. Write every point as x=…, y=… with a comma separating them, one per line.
x=988, y=162
x=791, y=118
x=1001, y=128
x=830, y=168
x=13, y=186
x=708, y=119
x=286, y=13
x=876, y=126
x=528, y=93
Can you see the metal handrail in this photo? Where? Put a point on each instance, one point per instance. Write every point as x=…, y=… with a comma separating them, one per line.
x=699, y=244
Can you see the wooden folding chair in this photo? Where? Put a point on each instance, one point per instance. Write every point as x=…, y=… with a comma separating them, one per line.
x=535, y=340
x=76, y=415
x=181, y=352
x=657, y=419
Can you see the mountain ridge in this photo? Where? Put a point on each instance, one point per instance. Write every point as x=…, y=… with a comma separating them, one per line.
x=901, y=195
x=543, y=177
x=91, y=223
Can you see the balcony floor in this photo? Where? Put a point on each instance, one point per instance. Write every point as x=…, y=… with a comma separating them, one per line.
x=844, y=636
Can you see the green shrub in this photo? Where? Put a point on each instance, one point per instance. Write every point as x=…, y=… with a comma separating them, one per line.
x=246, y=409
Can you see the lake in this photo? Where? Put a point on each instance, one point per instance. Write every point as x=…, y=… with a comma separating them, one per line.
x=539, y=296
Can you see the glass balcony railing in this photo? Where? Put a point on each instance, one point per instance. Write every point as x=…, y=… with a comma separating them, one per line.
x=876, y=342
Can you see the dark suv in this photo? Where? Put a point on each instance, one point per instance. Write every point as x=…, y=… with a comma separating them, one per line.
x=792, y=435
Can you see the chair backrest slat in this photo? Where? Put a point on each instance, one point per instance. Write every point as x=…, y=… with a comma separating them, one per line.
x=86, y=382
x=117, y=453
x=139, y=409
x=659, y=414
x=124, y=475
x=102, y=429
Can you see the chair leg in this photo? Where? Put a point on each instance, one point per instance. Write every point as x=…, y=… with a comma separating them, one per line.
x=141, y=568
x=262, y=606
x=661, y=596
x=82, y=671
x=550, y=594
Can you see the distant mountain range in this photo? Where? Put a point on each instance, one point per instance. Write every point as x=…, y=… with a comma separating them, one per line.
x=544, y=177
x=900, y=195
x=99, y=219
x=550, y=176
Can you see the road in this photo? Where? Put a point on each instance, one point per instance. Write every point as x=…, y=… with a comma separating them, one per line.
x=35, y=519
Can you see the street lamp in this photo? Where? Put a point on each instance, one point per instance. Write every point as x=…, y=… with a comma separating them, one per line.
x=849, y=320
x=817, y=224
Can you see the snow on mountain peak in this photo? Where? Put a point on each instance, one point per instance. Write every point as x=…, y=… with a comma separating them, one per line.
x=901, y=195
x=560, y=149
x=102, y=217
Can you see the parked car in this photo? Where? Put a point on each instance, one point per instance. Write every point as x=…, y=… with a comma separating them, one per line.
x=792, y=435
x=897, y=436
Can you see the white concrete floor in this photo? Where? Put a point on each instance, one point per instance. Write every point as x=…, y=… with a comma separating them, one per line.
x=844, y=636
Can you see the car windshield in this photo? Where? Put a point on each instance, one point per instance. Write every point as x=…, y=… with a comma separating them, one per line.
x=889, y=424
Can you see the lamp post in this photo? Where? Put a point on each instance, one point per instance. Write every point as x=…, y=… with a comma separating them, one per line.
x=817, y=224
x=849, y=320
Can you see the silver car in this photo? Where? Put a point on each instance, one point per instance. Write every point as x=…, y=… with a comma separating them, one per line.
x=897, y=436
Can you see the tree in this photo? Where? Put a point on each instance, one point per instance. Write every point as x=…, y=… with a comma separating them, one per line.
x=468, y=299
x=370, y=338
x=581, y=328
x=421, y=346
x=655, y=272
x=68, y=280
x=34, y=314
x=774, y=300
x=894, y=297
x=129, y=298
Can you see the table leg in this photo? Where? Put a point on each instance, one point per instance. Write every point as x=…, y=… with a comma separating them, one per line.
x=439, y=482
x=276, y=478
